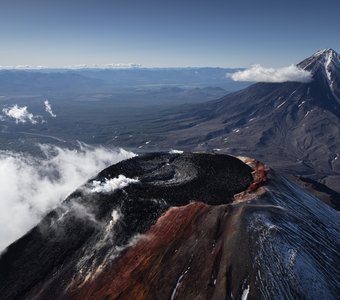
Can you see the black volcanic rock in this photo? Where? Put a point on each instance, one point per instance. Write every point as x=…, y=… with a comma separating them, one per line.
x=77, y=237
x=168, y=226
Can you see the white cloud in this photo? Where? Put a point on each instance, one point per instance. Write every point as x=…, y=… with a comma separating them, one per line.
x=21, y=114
x=257, y=73
x=174, y=151
x=48, y=109
x=30, y=187
x=110, y=185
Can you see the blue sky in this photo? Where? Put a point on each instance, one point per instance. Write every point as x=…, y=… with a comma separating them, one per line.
x=229, y=33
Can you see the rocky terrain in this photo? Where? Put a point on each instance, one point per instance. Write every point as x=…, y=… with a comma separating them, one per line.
x=179, y=226
x=292, y=126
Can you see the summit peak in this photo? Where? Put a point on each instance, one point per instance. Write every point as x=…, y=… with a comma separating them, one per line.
x=326, y=51
x=325, y=65
x=325, y=58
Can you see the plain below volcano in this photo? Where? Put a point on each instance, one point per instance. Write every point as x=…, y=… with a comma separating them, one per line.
x=292, y=126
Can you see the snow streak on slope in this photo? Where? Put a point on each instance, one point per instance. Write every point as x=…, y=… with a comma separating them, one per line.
x=329, y=60
x=297, y=240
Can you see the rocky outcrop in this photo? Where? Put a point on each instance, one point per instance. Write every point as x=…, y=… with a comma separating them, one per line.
x=168, y=226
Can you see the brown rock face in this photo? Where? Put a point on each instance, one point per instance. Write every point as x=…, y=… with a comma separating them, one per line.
x=194, y=226
x=91, y=231
x=187, y=254
x=259, y=173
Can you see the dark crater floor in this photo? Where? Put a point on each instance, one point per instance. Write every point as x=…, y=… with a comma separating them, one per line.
x=164, y=180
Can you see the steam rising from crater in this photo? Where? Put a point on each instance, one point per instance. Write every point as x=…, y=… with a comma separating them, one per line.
x=110, y=185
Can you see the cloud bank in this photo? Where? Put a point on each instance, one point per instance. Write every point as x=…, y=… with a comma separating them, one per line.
x=257, y=73
x=21, y=114
x=48, y=109
x=30, y=187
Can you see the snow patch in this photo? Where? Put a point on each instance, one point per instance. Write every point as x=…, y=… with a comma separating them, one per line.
x=281, y=104
x=328, y=61
x=302, y=103
x=292, y=94
x=292, y=257
x=245, y=293
x=173, y=295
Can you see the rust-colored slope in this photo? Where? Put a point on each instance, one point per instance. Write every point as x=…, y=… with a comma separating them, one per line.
x=187, y=254
x=272, y=241
x=88, y=243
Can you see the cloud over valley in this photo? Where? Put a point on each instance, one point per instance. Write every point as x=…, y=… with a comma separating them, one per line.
x=48, y=109
x=21, y=115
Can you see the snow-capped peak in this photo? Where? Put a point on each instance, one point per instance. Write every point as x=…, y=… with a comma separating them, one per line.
x=327, y=56
x=331, y=61
x=324, y=51
x=326, y=62
x=322, y=58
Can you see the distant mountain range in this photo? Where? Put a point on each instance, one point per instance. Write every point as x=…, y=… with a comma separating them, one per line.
x=292, y=126
x=51, y=82
x=174, y=225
